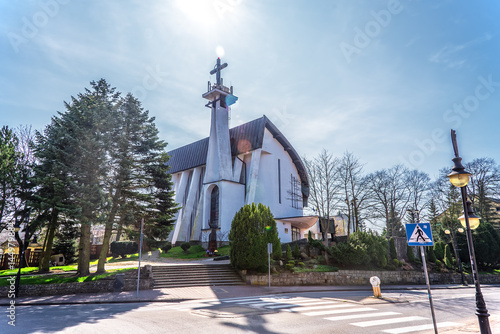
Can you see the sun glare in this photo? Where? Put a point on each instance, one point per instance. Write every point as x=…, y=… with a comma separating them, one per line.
x=198, y=11
x=219, y=50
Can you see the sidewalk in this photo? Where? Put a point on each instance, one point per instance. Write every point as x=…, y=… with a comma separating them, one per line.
x=221, y=292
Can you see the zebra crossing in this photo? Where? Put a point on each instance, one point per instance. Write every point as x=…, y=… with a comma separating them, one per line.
x=329, y=309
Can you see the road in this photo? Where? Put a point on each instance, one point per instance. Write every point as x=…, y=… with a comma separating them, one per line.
x=405, y=311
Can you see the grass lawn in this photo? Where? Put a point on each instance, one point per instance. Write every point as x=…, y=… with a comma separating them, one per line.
x=194, y=252
x=319, y=269
x=62, y=278
x=131, y=257
x=28, y=270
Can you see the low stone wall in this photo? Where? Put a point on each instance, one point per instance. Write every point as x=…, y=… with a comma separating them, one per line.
x=360, y=277
x=102, y=285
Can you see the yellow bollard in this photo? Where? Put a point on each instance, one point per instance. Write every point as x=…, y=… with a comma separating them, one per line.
x=375, y=282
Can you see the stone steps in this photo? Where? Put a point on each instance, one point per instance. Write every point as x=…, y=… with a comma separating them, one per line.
x=195, y=275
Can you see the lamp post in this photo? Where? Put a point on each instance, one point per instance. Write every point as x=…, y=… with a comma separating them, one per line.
x=459, y=177
x=414, y=214
x=457, y=252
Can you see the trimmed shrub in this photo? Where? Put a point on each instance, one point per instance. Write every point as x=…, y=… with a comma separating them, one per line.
x=162, y=244
x=296, y=252
x=185, y=246
x=288, y=253
x=431, y=256
x=439, y=250
x=290, y=266
x=392, y=248
x=362, y=248
x=277, y=253
x=249, y=237
x=448, y=258
x=410, y=254
x=123, y=248
x=347, y=253
x=166, y=248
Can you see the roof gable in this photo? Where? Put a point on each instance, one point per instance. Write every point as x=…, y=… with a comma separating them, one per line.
x=244, y=138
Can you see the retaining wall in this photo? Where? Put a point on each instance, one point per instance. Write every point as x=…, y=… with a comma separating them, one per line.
x=360, y=277
x=102, y=285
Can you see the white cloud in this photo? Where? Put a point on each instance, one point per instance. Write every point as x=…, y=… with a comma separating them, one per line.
x=451, y=55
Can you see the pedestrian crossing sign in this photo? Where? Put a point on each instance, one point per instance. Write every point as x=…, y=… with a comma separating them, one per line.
x=419, y=234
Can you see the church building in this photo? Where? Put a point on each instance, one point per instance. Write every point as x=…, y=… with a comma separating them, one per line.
x=250, y=163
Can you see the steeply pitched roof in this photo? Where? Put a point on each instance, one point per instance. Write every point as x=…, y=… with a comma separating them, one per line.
x=195, y=154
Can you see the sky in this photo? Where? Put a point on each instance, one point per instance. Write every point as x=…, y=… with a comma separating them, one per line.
x=385, y=80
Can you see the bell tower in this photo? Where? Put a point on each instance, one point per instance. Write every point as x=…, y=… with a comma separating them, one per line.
x=223, y=195
x=219, y=162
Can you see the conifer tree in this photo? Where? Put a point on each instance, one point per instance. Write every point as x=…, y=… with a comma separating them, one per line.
x=253, y=226
x=138, y=184
x=392, y=248
x=8, y=165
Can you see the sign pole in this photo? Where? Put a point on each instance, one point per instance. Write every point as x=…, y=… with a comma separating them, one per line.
x=140, y=254
x=428, y=288
x=269, y=251
x=420, y=234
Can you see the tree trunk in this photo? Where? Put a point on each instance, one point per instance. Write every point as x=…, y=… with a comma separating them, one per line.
x=119, y=232
x=105, y=247
x=49, y=241
x=84, y=250
x=45, y=262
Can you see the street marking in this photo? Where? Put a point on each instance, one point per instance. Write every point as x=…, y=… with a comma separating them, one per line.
x=235, y=300
x=349, y=310
x=387, y=321
x=322, y=307
x=420, y=328
x=293, y=301
x=357, y=316
x=257, y=304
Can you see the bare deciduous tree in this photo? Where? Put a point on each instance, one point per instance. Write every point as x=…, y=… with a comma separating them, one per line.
x=484, y=185
x=353, y=184
x=324, y=188
x=419, y=185
x=388, y=191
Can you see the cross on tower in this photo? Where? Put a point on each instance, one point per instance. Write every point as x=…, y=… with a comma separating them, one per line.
x=218, y=67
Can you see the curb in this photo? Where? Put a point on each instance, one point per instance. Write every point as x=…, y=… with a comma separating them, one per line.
x=265, y=291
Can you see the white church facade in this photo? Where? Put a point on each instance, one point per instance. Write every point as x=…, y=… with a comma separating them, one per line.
x=251, y=163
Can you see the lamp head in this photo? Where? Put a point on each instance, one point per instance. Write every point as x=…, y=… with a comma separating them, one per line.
x=459, y=177
x=473, y=218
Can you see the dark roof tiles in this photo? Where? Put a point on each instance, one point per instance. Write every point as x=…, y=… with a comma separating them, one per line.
x=244, y=138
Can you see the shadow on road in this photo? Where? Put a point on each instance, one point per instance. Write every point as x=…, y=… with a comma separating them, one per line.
x=34, y=318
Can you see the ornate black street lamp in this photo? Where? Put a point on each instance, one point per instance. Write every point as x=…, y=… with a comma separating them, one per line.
x=459, y=177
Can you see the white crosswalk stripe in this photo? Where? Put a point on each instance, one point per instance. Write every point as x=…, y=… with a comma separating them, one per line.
x=364, y=315
x=420, y=328
x=348, y=310
x=328, y=308
x=387, y=321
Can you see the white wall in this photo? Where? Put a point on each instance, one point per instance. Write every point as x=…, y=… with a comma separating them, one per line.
x=268, y=190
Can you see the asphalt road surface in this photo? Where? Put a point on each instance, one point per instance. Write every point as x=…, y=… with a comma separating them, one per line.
x=313, y=312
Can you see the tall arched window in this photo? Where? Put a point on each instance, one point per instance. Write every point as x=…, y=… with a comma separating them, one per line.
x=214, y=207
